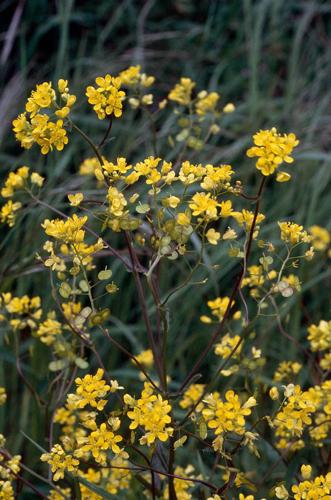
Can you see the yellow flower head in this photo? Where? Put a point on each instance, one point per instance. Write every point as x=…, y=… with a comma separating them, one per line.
x=272, y=149
x=319, y=336
x=320, y=237
x=191, y=396
x=206, y=103
x=107, y=97
x=151, y=412
x=203, y=204
x=182, y=91
x=293, y=233
x=37, y=126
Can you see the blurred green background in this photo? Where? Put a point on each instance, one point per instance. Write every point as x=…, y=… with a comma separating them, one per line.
x=271, y=58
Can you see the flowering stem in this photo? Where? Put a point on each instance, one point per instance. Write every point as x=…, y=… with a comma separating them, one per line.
x=143, y=305
x=114, y=252
x=235, y=290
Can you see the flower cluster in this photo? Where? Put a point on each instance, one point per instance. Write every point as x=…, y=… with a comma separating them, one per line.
x=272, y=149
x=107, y=97
x=16, y=182
x=293, y=233
x=319, y=336
x=302, y=410
x=90, y=391
x=20, y=311
x=314, y=488
x=90, y=438
x=226, y=416
x=137, y=82
x=192, y=396
x=37, y=124
x=9, y=468
x=151, y=412
x=60, y=461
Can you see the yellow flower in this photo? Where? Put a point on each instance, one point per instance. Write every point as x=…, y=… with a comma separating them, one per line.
x=42, y=97
x=281, y=492
x=213, y=236
x=116, y=170
x=48, y=330
x=97, y=442
x=319, y=336
x=3, y=396
x=90, y=391
x=37, y=179
x=89, y=165
x=47, y=134
x=273, y=393
x=226, y=345
x=183, y=219
x=60, y=462
x=189, y=173
x=147, y=99
x=152, y=413
x=229, y=108
x=182, y=91
x=62, y=86
x=75, y=199
x=6, y=490
x=286, y=370
x=132, y=76
x=171, y=201
x=230, y=234
x=191, y=396
x=8, y=212
x=117, y=202
x=226, y=208
x=317, y=489
x=216, y=177
x=107, y=98
x=145, y=358
x=35, y=126
x=15, y=181
x=245, y=218
x=206, y=103
x=272, y=149
x=203, y=204
x=295, y=414
x=205, y=319
x=306, y=471
x=228, y=415
x=69, y=230
x=219, y=306
x=320, y=237
x=325, y=362
x=283, y=177
x=293, y=233
x=181, y=486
